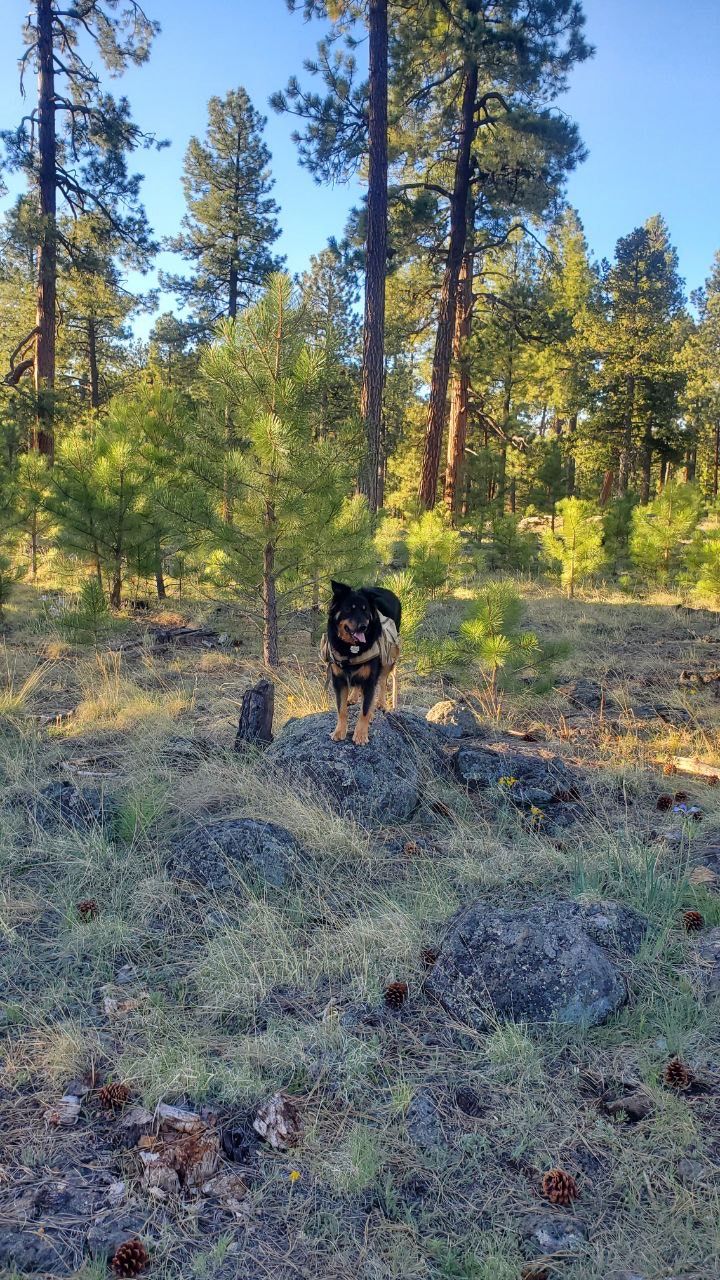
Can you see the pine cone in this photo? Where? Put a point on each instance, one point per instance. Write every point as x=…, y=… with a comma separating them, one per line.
x=693, y=921
x=130, y=1258
x=396, y=993
x=664, y=803
x=411, y=848
x=88, y=909
x=677, y=1074
x=113, y=1095
x=534, y=1271
x=681, y=797
x=559, y=1187
x=669, y=769
x=429, y=955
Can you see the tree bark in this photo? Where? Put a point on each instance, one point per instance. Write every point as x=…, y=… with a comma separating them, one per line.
x=93, y=364
x=256, y=716
x=448, y=295
x=626, y=450
x=43, y=437
x=459, y=389
x=716, y=459
x=647, y=457
x=572, y=431
x=271, y=648
x=159, y=574
x=373, y=364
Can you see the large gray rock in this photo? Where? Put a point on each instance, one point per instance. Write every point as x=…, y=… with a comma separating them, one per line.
x=213, y=854
x=554, y=961
x=377, y=783
x=522, y=776
x=27, y=1252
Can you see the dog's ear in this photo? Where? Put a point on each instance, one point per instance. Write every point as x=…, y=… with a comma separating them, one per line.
x=339, y=589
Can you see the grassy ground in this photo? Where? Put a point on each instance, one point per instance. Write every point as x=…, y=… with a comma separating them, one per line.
x=229, y=999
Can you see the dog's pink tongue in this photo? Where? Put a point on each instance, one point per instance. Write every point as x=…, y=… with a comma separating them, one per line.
x=359, y=636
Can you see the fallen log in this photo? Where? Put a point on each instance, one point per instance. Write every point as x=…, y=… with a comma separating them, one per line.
x=687, y=765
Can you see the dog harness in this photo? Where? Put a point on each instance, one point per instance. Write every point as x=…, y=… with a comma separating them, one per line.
x=386, y=648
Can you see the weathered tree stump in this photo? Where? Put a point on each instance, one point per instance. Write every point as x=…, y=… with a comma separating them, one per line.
x=256, y=716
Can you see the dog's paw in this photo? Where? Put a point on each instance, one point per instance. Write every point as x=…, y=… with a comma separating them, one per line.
x=360, y=736
x=338, y=735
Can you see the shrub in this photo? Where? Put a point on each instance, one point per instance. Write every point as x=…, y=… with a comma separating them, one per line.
x=577, y=549
x=90, y=620
x=433, y=551
x=658, y=541
x=512, y=548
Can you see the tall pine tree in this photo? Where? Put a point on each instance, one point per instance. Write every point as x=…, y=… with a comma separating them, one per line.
x=231, y=221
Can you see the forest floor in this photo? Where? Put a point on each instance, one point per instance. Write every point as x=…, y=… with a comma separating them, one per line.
x=423, y=1141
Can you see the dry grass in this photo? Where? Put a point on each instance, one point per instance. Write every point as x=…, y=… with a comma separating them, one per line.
x=235, y=996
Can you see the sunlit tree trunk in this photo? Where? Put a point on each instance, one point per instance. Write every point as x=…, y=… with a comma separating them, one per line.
x=43, y=438
x=449, y=294
x=373, y=364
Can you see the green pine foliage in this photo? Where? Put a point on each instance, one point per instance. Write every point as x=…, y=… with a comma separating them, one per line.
x=265, y=494
x=661, y=531
x=575, y=547
x=434, y=550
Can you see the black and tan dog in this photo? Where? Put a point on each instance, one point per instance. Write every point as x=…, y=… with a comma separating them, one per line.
x=361, y=647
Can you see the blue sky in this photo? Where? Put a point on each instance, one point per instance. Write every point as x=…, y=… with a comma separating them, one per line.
x=647, y=105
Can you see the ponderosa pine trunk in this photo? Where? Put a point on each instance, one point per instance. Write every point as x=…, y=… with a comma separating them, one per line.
x=442, y=356
x=43, y=436
x=271, y=646
x=572, y=431
x=716, y=460
x=647, y=457
x=93, y=364
x=459, y=389
x=623, y=477
x=373, y=364
x=159, y=572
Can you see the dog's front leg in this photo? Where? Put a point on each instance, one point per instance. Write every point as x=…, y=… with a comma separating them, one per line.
x=360, y=736
x=341, y=697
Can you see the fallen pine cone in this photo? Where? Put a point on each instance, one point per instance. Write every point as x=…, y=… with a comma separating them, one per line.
x=130, y=1258
x=664, y=803
x=88, y=909
x=396, y=993
x=669, y=769
x=559, y=1187
x=677, y=1074
x=411, y=848
x=429, y=955
x=113, y=1095
x=534, y=1271
x=693, y=921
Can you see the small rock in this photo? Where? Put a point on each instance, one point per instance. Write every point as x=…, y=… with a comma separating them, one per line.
x=111, y=1229
x=586, y=694
x=551, y=1233
x=521, y=777
x=64, y=804
x=424, y=1126
x=64, y=1112
x=209, y=853
x=634, y=1106
x=705, y=962
x=455, y=719
x=691, y=1171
